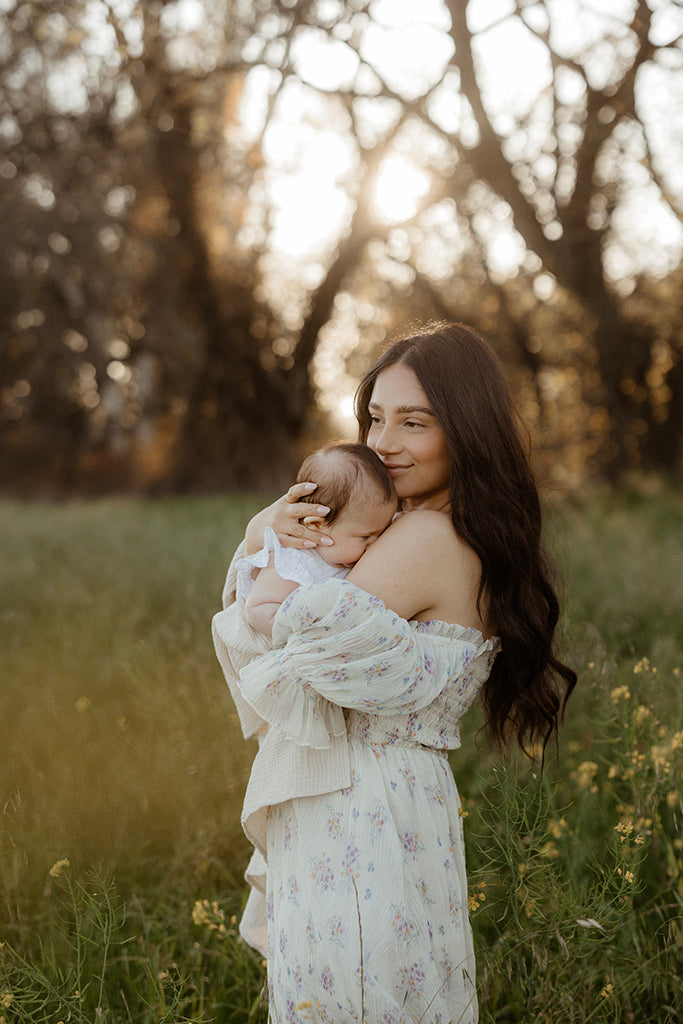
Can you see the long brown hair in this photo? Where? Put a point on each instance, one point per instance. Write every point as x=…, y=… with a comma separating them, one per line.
x=495, y=508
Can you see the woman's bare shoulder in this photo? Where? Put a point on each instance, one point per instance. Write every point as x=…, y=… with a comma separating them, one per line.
x=427, y=533
x=422, y=569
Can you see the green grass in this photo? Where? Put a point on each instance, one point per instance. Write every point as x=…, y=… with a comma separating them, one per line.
x=122, y=753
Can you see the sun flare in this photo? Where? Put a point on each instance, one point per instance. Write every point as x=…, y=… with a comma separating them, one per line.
x=400, y=186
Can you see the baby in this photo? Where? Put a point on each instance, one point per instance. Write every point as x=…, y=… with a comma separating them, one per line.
x=360, y=494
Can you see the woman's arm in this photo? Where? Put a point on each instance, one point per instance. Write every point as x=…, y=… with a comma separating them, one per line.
x=336, y=643
x=421, y=569
x=287, y=517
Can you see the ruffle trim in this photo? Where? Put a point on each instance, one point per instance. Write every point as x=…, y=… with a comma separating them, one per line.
x=300, y=566
x=292, y=706
x=453, y=631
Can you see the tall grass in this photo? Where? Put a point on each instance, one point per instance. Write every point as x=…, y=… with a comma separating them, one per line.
x=122, y=755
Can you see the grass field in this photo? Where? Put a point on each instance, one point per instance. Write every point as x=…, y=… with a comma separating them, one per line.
x=122, y=756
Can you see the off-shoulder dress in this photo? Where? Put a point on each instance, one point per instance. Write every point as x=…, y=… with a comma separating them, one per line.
x=353, y=809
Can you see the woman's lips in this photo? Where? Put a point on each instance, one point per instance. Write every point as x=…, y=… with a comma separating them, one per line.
x=394, y=470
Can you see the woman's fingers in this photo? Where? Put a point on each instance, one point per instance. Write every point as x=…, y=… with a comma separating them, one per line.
x=294, y=511
x=297, y=491
x=293, y=519
x=313, y=523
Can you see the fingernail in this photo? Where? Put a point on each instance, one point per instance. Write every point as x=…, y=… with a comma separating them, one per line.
x=309, y=543
x=327, y=541
x=322, y=510
x=309, y=486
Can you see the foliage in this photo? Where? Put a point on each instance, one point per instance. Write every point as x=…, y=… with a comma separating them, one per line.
x=100, y=961
x=122, y=757
x=154, y=308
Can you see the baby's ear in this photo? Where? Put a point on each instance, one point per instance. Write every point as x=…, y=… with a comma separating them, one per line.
x=315, y=522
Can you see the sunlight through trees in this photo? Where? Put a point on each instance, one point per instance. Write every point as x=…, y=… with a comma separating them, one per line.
x=215, y=212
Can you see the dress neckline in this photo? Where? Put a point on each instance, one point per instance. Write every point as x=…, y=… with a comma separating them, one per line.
x=440, y=627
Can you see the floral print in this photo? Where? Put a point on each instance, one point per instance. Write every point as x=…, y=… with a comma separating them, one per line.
x=366, y=886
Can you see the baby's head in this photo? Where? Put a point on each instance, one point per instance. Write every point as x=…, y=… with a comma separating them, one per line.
x=360, y=494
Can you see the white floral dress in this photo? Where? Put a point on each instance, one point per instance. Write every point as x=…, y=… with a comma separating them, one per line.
x=366, y=893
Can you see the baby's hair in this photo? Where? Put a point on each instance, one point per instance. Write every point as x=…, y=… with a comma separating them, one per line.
x=338, y=469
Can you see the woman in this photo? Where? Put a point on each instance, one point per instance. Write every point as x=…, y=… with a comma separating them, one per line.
x=366, y=895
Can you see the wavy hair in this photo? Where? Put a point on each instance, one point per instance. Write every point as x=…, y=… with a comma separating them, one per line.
x=495, y=508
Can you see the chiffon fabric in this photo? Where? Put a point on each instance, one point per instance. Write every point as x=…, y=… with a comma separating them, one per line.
x=280, y=769
x=365, y=893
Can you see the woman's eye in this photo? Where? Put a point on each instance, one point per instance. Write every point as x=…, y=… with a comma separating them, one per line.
x=374, y=420
x=414, y=423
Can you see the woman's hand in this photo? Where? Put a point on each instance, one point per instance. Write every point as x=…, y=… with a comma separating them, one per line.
x=287, y=517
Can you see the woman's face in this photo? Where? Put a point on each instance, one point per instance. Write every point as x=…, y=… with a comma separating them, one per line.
x=408, y=439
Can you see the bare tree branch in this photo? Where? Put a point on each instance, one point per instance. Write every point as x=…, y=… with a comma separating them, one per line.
x=487, y=158
x=361, y=229
x=671, y=201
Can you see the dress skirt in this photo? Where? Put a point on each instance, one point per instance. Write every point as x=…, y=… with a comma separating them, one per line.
x=366, y=895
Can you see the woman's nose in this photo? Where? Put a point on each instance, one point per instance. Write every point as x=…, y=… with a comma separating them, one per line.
x=386, y=442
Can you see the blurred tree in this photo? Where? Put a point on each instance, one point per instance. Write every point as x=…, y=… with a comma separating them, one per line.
x=555, y=162
x=213, y=212
x=122, y=330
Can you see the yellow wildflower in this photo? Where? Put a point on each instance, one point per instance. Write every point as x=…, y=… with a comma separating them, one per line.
x=672, y=798
x=584, y=775
x=58, y=867
x=6, y=1000
x=642, y=714
x=620, y=693
x=475, y=899
x=549, y=850
x=624, y=828
x=607, y=990
x=641, y=666
x=613, y=772
x=200, y=912
x=557, y=828
x=660, y=757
